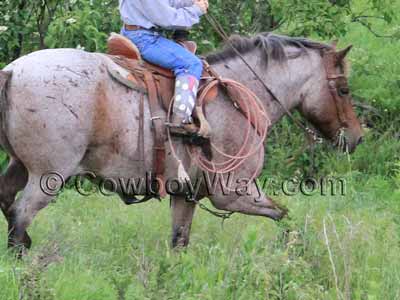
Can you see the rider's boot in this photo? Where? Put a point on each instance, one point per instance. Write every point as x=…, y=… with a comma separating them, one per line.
x=186, y=87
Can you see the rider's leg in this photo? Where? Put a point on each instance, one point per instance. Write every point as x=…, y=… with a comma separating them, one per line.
x=185, y=97
x=187, y=67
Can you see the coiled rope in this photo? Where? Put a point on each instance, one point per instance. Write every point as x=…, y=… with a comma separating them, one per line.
x=253, y=109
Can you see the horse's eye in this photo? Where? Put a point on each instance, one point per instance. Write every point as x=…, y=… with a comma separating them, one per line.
x=344, y=91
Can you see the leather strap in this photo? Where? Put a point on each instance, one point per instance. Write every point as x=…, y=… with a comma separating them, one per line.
x=136, y=27
x=141, y=135
x=158, y=123
x=333, y=79
x=133, y=27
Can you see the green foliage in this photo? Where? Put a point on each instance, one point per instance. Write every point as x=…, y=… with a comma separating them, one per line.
x=86, y=25
x=328, y=19
x=32, y=25
x=376, y=69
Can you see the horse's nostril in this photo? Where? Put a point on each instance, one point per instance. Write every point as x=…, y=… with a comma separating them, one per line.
x=360, y=140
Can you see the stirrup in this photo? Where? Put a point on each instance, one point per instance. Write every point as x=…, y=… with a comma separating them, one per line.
x=194, y=140
x=182, y=129
x=191, y=130
x=188, y=136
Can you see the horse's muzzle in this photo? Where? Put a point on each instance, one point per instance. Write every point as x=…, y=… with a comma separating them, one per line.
x=347, y=140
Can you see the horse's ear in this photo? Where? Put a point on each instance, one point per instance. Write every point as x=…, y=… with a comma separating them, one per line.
x=340, y=55
x=334, y=43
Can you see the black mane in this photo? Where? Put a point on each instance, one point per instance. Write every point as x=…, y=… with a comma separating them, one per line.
x=272, y=45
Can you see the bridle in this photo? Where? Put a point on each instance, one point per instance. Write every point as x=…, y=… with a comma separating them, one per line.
x=333, y=79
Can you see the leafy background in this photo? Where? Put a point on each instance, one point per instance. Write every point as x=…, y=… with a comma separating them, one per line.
x=336, y=247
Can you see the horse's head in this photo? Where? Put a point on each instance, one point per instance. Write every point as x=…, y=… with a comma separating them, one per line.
x=328, y=103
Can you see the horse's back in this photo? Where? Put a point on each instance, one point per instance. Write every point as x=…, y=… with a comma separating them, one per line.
x=48, y=75
x=61, y=102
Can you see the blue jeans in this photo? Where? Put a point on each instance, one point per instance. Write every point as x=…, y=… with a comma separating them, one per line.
x=163, y=52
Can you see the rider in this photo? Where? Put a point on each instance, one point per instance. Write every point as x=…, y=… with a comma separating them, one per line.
x=142, y=20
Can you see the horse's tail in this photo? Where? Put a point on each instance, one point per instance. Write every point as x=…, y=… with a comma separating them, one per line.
x=5, y=77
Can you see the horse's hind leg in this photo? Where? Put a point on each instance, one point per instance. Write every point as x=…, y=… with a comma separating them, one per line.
x=182, y=216
x=12, y=181
x=22, y=212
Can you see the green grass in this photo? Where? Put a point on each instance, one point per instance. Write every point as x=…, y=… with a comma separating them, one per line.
x=97, y=248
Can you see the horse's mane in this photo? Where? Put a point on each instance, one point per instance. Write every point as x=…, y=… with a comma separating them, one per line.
x=273, y=46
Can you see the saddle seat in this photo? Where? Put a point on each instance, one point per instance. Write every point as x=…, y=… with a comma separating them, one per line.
x=119, y=45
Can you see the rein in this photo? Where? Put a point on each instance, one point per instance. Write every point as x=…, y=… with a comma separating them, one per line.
x=332, y=79
x=312, y=134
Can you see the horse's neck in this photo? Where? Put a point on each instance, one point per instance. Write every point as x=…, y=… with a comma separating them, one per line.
x=284, y=81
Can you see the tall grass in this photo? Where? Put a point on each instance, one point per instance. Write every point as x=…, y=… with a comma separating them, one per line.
x=97, y=248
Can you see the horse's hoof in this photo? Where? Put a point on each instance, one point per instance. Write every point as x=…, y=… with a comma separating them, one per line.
x=19, y=251
x=279, y=214
x=20, y=247
x=27, y=241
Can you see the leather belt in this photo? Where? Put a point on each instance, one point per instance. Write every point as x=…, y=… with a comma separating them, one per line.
x=153, y=29
x=133, y=27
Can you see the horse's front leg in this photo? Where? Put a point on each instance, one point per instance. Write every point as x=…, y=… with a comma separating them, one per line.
x=182, y=216
x=252, y=202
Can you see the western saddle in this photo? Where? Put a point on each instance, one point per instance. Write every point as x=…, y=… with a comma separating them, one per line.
x=158, y=83
x=124, y=53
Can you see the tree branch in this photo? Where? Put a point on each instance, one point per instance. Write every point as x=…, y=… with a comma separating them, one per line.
x=370, y=29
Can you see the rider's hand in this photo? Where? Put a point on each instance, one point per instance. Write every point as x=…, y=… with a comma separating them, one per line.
x=203, y=4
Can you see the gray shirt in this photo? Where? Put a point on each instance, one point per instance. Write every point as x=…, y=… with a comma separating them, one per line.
x=169, y=14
